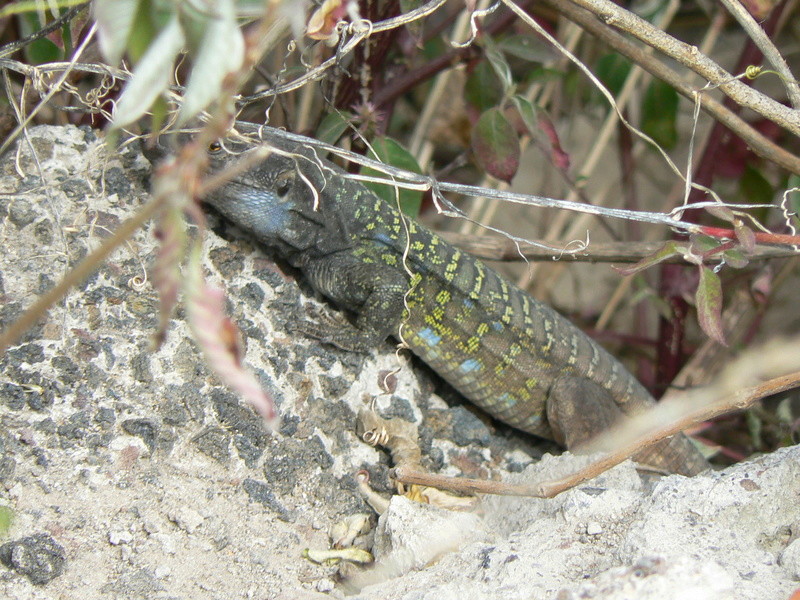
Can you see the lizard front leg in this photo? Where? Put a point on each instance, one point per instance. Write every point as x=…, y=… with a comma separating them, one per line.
x=371, y=292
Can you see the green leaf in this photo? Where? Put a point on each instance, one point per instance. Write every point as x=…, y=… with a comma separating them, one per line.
x=666, y=251
x=651, y=11
x=43, y=51
x=499, y=65
x=527, y=112
x=114, y=20
x=483, y=89
x=151, y=75
x=6, y=517
x=143, y=30
x=755, y=427
x=408, y=5
x=754, y=187
x=709, y=305
x=701, y=243
x=612, y=70
x=194, y=23
x=333, y=126
x=159, y=111
x=660, y=113
x=735, y=259
x=543, y=75
x=526, y=47
x=496, y=145
x=221, y=53
x=392, y=153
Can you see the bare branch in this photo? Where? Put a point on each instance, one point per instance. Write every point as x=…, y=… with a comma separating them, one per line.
x=760, y=144
x=766, y=46
x=360, y=31
x=500, y=248
x=691, y=57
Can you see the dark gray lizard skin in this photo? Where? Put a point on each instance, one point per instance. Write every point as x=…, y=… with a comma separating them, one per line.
x=515, y=357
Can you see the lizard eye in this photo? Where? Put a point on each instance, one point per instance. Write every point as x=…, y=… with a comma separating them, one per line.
x=283, y=188
x=214, y=147
x=284, y=183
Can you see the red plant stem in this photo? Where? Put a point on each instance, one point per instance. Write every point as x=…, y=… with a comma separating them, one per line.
x=762, y=237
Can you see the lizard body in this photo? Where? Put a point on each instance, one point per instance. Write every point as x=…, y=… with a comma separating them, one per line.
x=515, y=357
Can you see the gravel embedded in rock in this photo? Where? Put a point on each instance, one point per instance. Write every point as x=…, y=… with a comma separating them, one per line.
x=38, y=557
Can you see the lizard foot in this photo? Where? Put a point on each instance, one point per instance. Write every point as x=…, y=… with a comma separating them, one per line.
x=332, y=328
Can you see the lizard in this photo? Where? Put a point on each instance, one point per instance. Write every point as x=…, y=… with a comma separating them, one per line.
x=516, y=358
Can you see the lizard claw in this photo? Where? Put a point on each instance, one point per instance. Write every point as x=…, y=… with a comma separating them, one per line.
x=328, y=329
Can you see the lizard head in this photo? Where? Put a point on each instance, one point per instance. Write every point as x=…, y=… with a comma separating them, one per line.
x=273, y=190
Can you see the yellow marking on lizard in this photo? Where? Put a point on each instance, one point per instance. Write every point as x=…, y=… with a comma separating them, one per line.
x=451, y=269
x=548, y=330
x=472, y=345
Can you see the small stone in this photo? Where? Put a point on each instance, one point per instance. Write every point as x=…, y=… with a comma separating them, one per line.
x=150, y=526
x=162, y=572
x=146, y=429
x=21, y=213
x=167, y=542
x=214, y=442
x=259, y=491
x=187, y=519
x=122, y=536
x=594, y=528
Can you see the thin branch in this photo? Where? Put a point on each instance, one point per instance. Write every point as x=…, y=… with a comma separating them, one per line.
x=462, y=484
x=771, y=53
x=500, y=248
x=708, y=164
x=695, y=60
x=12, y=47
x=35, y=72
x=359, y=31
x=760, y=144
x=53, y=89
x=728, y=402
x=397, y=86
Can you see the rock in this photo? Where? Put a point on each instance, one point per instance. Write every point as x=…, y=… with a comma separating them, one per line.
x=38, y=557
x=101, y=433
